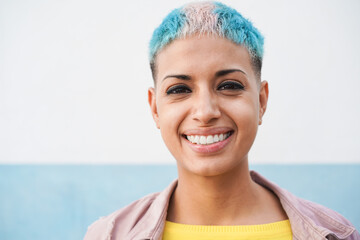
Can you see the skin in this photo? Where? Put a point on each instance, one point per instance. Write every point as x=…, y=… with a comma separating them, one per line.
x=206, y=85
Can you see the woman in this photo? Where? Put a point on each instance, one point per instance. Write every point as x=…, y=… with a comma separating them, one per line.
x=208, y=101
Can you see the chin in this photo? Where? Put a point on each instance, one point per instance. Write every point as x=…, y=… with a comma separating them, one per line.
x=207, y=168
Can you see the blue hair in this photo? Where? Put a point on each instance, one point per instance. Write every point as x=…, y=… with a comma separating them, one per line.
x=168, y=31
x=212, y=18
x=239, y=30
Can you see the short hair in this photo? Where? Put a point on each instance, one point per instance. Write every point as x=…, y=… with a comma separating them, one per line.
x=212, y=18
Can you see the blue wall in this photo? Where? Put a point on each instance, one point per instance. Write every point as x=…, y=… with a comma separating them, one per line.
x=60, y=201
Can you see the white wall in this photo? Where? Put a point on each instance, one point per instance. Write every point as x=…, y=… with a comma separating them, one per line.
x=74, y=76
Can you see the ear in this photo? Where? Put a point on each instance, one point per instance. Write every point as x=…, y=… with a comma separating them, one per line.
x=263, y=99
x=153, y=107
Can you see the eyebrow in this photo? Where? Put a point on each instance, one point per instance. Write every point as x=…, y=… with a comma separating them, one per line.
x=227, y=71
x=217, y=74
x=178, y=76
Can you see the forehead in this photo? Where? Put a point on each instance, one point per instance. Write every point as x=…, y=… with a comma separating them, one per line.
x=202, y=55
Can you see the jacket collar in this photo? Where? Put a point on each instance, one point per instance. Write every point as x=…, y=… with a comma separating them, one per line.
x=151, y=225
x=308, y=220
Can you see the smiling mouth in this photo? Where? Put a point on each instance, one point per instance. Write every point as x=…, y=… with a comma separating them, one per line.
x=208, y=139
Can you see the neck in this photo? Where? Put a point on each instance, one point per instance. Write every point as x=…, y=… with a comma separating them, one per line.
x=229, y=199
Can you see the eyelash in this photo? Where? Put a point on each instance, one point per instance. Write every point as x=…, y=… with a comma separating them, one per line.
x=178, y=89
x=230, y=85
x=227, y=85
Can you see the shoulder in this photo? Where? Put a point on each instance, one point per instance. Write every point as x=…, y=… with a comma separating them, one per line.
x=322, y=220
x=123, y=220
x=310, y=220
x=318, y=212
x=143, y=219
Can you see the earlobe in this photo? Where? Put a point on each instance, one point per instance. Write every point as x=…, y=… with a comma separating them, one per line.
x=153, y=106
x=263, y=99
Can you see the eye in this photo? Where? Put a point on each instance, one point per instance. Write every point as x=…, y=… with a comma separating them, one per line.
x=230, y=85
x=178, y=89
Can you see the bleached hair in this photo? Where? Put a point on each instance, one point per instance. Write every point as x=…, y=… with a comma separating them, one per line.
x=211, y=18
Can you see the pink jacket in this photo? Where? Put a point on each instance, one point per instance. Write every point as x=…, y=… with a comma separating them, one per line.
x=145, y=218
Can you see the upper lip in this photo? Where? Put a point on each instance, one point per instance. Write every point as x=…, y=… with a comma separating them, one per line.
x=207, y=131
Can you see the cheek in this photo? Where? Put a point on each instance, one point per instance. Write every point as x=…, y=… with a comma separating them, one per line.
x=245, y=115
x=171, y=117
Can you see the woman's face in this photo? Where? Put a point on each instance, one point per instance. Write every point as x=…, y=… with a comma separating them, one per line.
x=207, y=104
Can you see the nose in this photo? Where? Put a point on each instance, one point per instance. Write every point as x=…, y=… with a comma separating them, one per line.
x=206, y=107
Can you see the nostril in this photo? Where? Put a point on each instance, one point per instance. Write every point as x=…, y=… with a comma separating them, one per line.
x=206, y=114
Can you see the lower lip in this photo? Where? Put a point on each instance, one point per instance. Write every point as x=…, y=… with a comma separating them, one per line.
x=211, y=148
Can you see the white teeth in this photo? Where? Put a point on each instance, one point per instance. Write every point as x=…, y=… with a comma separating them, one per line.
x=196, y=139
x=209, y=139
x=221, y=137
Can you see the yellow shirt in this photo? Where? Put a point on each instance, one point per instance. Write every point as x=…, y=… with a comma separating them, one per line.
x=277, y=230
